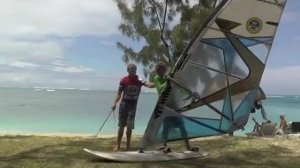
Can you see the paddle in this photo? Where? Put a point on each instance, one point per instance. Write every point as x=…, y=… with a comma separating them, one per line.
x=114, y=115
x=112, y=111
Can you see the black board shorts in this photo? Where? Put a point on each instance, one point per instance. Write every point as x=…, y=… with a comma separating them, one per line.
x=127, y=110
x=173, y=122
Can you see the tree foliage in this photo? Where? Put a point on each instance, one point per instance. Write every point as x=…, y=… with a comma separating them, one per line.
x=164, y=27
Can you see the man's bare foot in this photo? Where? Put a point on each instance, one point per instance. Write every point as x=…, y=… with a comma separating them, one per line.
x=117, y=148
x=194, y=149
x=127, y=148
x=167, y=150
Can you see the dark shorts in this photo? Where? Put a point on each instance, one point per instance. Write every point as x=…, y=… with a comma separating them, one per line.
x=171, y=123
x=127, y=112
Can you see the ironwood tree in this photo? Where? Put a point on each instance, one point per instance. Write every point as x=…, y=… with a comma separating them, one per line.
x=163, y=27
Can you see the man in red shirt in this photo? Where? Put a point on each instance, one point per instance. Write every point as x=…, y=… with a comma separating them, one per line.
x=129, y=91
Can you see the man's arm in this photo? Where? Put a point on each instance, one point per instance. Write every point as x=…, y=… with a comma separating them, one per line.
x=149, y=84
x=116, y=100
x=118, y=97
x=256, y=123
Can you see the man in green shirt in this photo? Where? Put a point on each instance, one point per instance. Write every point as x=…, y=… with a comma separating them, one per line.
x=171, y=121
x=160, y=77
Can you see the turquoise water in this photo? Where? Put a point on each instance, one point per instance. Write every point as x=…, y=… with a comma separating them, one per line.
x=64, y=111
x=83, y=111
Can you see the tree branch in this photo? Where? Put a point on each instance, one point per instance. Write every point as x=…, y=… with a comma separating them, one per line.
x=162, y=27
x=157, y=16
x=215, y=3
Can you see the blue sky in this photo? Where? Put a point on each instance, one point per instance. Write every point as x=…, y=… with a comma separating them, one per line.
x=72, y=44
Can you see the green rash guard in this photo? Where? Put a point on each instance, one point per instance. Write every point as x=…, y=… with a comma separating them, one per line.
x=160, y=83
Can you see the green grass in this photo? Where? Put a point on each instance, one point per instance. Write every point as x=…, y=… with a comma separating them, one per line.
x=60, y=152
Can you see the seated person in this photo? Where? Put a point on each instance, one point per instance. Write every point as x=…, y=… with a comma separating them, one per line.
x=283, y=124
x=266, y=128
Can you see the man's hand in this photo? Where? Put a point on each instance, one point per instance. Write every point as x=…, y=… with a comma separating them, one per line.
x=113, y=107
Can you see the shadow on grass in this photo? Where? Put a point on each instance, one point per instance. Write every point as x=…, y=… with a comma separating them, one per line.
x=71, y=152
x=63, y=153
x=13, y=137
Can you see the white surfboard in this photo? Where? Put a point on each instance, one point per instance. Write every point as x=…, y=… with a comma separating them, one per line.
x=147, y=156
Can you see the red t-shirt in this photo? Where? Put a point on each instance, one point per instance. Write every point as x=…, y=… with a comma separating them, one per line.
x=131, y=88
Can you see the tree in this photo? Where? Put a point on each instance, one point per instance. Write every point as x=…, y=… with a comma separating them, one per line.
x=163, y=26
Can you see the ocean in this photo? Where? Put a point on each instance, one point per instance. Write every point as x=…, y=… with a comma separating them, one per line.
x=70, y=111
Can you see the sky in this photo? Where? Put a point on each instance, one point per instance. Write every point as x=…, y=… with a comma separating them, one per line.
x=72, y=44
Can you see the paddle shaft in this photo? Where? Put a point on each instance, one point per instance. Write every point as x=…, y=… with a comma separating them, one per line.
x=104, y=123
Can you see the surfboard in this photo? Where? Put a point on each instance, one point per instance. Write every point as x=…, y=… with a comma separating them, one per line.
x=147, y=156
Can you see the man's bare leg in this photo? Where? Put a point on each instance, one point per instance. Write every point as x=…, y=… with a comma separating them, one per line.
x=128, y=133
x=187, y=144
x=186, y=141
x=120, y=135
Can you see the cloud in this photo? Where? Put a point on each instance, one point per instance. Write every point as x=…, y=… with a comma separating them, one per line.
x=31, y=55
x=31, y=63
x=35, y=36
x=71, y=77
x=38, y=18
x=10, y=49
x=23, y=64
x=71, y=69
x=282, y=81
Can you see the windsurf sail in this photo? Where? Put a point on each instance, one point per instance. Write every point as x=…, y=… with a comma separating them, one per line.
x=215, y=82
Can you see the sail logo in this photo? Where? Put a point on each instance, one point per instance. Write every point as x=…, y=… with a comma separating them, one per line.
x=254, y=25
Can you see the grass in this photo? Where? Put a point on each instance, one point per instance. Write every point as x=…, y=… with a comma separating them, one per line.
x=60, y=152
